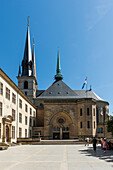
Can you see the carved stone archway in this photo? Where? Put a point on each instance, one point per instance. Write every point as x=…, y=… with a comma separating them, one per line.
x=61, y=126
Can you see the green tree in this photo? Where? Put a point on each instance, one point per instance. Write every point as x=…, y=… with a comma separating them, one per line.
x=109, y=124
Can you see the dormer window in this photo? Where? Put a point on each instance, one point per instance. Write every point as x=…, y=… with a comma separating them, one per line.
x=26, y=85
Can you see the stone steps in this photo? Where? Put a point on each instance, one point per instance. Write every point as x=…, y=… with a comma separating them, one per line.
x=49, y=142
x=38, y=141
x=57, y=143
x=60, y=142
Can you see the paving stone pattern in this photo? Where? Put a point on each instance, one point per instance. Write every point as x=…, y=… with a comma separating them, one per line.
x=55, y=157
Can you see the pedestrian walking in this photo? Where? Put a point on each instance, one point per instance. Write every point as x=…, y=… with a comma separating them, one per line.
x=105, y=145
x=102, y=139
x=87, y=141
x=94, y=143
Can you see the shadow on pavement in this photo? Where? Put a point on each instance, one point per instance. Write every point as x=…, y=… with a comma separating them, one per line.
x=108, y=156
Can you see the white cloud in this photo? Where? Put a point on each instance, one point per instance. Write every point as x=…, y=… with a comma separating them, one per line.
x=98, y=12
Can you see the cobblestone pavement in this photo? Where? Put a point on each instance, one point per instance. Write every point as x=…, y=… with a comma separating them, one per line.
x=55, y=157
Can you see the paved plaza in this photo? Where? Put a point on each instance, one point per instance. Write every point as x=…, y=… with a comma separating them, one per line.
x=55, y=157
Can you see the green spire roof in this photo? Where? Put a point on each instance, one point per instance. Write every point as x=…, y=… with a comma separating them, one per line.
x=58, y=75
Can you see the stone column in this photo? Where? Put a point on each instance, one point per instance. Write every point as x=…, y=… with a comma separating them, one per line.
x=9, y=132
x=50, y=132
x=60, y=133
x=4, y=133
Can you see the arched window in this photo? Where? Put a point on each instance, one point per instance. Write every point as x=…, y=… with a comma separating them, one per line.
x=98, y=130
x=54, y=129
x=104, y=111
x=101, y=130
x=58, y=129
x=88, y=124
x=67, y=129
x=25, y=85
x=63, y=128
x=97, y=115
x=94, y=124
x=80, y=124
x=87, y=111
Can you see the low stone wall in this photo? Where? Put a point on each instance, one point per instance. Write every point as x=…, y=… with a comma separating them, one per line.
x=26, y=141
x=3, y=146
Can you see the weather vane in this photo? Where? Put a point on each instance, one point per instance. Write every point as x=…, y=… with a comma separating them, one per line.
x=28, y=20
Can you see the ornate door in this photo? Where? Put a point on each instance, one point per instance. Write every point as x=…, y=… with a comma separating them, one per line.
x=7, y=133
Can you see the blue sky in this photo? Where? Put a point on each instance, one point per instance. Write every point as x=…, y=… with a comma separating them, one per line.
x=82, y=30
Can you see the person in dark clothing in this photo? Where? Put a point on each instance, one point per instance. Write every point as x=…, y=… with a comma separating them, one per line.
x=109, y=145
x=94, y=143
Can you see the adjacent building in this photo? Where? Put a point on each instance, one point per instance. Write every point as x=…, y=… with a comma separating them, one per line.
x=17, y=113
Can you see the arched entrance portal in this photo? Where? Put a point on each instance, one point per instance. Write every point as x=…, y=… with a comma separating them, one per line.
x=7, y=123
x=61, y=126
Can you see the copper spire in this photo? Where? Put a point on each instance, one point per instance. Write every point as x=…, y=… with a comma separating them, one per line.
x=58, y=75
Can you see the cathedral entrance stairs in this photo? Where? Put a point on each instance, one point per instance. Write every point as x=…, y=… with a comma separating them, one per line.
x=61, y=142
x=38, y=141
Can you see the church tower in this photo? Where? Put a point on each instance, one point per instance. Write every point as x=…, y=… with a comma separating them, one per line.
x=27, y=80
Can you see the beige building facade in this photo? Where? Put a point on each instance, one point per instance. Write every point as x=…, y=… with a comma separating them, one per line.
x=17, y=113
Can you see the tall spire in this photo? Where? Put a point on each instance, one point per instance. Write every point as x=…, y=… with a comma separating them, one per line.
x=33, y=62
x=58, y=75
x=27, y=63
x=19, y=72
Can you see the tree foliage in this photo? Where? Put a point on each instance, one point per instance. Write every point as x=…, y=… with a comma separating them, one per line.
x=109, y=124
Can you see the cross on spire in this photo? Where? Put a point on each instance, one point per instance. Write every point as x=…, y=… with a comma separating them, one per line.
x=28, y=21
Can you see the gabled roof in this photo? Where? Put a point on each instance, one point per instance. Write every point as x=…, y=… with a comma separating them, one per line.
x=58, y=90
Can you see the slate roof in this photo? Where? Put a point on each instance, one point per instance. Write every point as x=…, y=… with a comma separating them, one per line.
x=39, y=92
x=87, y=94
x=59, y=90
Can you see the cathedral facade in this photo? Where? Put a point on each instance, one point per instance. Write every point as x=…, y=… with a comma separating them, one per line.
x=59, y=111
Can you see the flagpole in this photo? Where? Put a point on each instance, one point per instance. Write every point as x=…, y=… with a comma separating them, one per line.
x=86, y=89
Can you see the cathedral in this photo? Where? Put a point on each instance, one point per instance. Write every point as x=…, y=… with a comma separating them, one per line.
x=55, y=113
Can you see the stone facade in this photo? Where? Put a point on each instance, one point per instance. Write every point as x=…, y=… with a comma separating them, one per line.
x=29, y=91
x=73, y=123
